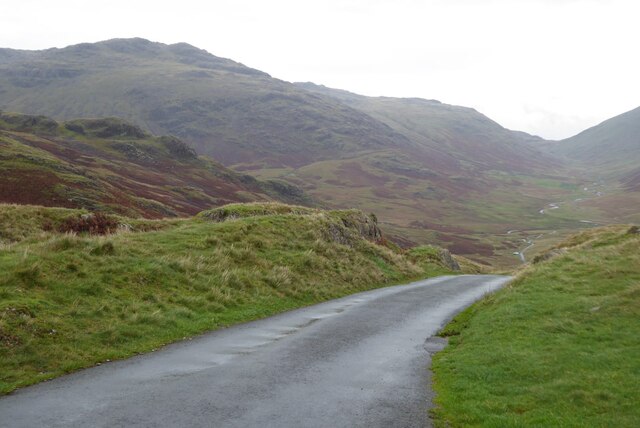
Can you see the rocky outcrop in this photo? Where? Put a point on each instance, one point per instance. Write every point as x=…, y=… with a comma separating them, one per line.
x=286, y=191
x=178, y=148
x=111, y=128
x=447, y=259
x=345, y=227
x=27, y=123
x=134, y=152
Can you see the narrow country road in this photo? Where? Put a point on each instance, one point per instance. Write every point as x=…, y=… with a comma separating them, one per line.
x=359, y=361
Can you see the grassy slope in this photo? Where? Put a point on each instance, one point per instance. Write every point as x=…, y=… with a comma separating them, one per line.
x=69, y=301
x=110, y=165
x=452, y=132
x=612, y=145
x=557, y=347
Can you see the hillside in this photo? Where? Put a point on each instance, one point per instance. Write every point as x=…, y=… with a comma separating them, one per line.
x=459, y=133
x=613, y=147
x=610, y=154
x=110, y=165
x=465, y=183
x=222, y=108
x=118, y=286
x=557, y=347
x=431, y=171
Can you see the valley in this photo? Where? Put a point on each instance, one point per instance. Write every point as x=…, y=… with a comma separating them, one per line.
x=573, y=209
x=155, y=193
x=431, y=172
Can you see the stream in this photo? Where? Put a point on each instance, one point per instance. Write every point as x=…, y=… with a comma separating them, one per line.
x=595, y=190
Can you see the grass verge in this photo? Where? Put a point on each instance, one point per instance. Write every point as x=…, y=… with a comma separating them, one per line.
x=69, y=301
x=557, y=347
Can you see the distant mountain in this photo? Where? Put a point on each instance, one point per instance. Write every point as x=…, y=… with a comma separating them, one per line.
x=111, y=165
x=612, y=147
x=458, y=132
x=222, y=108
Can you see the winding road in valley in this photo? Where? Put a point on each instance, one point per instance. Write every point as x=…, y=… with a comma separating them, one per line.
x=359, y=361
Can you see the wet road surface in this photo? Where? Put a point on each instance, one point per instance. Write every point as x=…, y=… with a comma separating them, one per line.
x=353, y=362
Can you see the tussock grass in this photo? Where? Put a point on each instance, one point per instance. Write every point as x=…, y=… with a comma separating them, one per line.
x=18, y=222
x=235, y=211
x=69, y=301
x=558, y=347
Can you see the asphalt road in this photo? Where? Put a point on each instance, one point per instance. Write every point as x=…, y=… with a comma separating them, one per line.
x=359, y=361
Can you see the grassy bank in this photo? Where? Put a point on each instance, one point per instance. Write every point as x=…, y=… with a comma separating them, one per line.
x=71, y=300
x=558, y=347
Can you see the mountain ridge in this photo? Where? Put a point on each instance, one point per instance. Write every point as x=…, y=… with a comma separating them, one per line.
x=185, y=91
x=433, y=122
x=612, y=145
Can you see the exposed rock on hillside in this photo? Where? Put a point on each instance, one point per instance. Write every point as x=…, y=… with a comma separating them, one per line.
x=448, y=260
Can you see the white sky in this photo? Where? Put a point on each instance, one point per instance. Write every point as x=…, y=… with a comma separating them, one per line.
x=548, y=67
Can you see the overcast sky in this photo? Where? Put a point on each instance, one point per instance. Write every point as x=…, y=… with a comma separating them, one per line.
x=548, y=67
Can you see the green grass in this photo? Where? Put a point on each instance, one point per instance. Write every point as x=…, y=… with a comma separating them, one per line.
x=19, y=222
x=68, y=301
x=236, y=211
x=558, y=347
